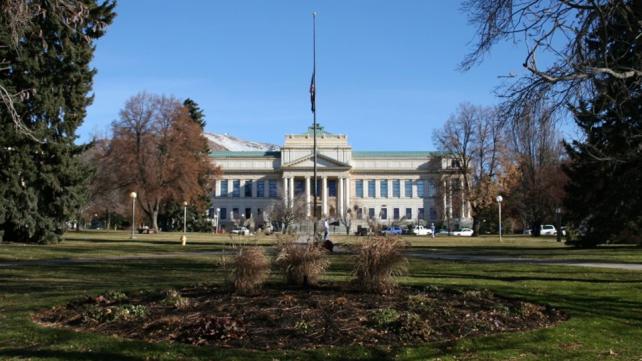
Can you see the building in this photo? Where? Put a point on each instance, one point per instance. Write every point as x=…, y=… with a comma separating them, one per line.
x=386, y=186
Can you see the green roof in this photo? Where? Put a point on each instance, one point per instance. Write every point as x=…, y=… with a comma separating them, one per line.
x=244, y=154
x=394, y=154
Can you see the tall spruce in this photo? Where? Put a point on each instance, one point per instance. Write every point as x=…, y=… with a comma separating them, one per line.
x=41, y=177
x=605, y=173
x=195, y=112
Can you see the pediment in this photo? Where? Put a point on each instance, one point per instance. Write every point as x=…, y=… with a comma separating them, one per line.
x=323, y=162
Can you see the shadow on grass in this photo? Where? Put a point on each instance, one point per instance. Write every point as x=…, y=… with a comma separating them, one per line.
x=66, y=355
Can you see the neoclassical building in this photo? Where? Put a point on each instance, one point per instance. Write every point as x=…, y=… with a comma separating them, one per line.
x=387, y=186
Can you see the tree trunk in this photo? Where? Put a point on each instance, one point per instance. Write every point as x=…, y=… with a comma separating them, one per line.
x=155, y=220
x=476, y=226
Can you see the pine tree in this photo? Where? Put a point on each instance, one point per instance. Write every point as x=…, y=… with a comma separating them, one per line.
x=41, y=177
x=195, y=112
x=605, y=173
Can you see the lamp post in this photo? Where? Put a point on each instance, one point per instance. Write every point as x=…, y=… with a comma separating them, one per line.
x=184, y=236
x=499, y=203
x=558, y=225
x=133, y=195
x=217, y=218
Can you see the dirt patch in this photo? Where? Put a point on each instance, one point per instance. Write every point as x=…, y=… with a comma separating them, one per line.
x=277, y=318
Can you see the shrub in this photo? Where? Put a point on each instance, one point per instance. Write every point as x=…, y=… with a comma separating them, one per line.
x=130, y=312
x=378, y=261
x=173, y=298
x=301, y=263
x=420, y=303
x=250, y=269
x=384, y=317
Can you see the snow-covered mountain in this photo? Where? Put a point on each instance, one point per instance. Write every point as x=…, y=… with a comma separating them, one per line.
x=227, y=142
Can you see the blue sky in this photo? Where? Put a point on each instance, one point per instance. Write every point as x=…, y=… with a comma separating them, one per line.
x=386, y=70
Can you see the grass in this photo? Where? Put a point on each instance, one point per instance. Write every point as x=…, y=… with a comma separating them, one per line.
x=605, y=305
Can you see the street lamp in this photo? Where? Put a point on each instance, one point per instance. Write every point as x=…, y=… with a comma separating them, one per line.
x=499, y=203
x=558, y=219
x=184, y=236
x=133, y=195
x=218, y=218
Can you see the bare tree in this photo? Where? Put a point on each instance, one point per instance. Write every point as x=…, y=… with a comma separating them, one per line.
x=288, y=212
x=536, y=150
x=472, y=138
x=561, y=31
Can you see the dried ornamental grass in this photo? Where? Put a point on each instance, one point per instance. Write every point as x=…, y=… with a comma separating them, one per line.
x=301, y=263
x=377, y=262
x=250, y=268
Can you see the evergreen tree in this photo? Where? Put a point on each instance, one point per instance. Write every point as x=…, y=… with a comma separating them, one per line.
x=41, y=177
x=195, y=112
x=605, y=173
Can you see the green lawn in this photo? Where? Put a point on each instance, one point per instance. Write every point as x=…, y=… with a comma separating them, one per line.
x=605, y=305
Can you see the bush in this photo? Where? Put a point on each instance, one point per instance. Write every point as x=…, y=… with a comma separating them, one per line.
x=250, y=269
x=301, y=263
x=377, y=262
x=174, y=299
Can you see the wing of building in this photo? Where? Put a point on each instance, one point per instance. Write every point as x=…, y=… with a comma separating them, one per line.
x=388, y=186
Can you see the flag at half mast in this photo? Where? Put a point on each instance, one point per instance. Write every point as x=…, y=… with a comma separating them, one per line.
x=313, y=91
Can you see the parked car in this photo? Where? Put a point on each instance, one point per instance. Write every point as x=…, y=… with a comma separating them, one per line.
x=421, y=231
x=547, y=230
x=392, y=230
x=464, y=232
x=241, y=231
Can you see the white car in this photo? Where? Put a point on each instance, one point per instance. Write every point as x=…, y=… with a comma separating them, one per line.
x=547, y=230
x=464, y=232
x=241, y=231
x=421, y=231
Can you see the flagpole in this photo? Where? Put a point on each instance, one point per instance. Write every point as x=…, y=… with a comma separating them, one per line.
x=314, y=116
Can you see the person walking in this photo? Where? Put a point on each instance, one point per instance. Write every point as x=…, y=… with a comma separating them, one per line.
x=432, y=229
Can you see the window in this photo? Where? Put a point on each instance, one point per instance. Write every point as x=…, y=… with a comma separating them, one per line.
x=223, y=213
x=383, y=188
x=408, y=188
x=299, y=186
x=248, y=213
x=247, y=187
x=259, y=212
x=272, y=188
x=332, y=188
x=454, y=163
x=396, y=188
x=359, y=213
x=371, y=212
x=224, y=188
x=408, y=213
x=395, y=213
x=421, y=213
x=433, y=213
x=371, y=188
x=432, y=189
x=384, y=213
x=260, y=189
x=420, y=188
x=236, y=188
x=235, y=213
x=359, y=188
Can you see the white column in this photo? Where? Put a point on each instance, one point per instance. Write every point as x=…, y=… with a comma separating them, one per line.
x=307, y=197
x=377, y=188
x=340, y=203
x=217, y=191
x=285, y=190
x=291, y=190
x=242, y=188
x=445, y=197
x=347, y=192
x=324, y=192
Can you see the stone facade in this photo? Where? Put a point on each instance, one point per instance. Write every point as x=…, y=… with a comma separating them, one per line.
x=385, y=186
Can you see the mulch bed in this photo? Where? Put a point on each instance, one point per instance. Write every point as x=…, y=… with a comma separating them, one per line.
x=278, y=318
